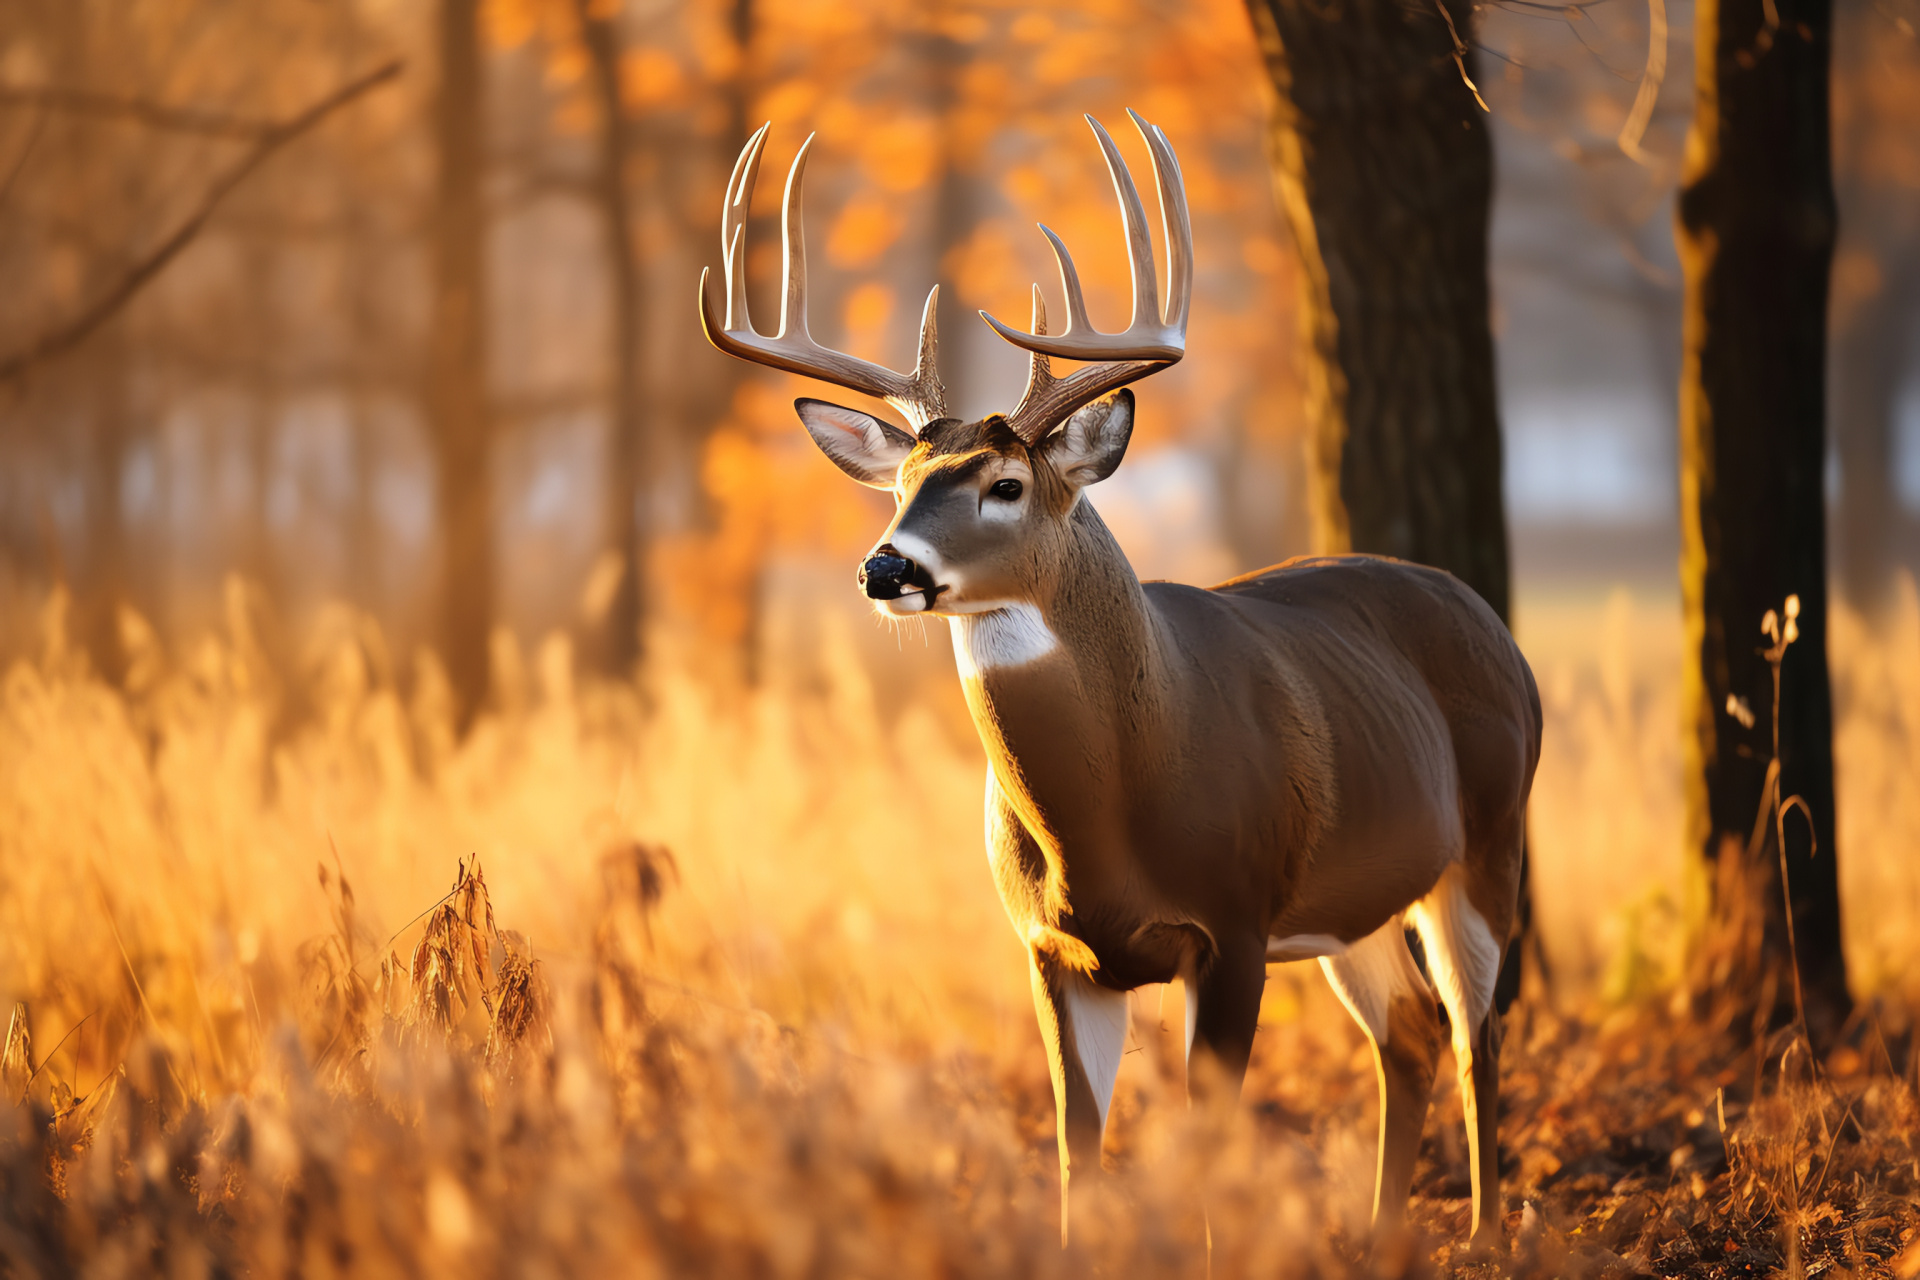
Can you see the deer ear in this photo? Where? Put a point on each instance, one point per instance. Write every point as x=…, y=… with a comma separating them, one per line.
x=1088, y=446
x=861, y=445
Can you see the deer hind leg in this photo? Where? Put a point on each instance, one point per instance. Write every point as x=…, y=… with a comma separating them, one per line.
x=1381, y=987
x=1463, y=954
x=1085, y=1029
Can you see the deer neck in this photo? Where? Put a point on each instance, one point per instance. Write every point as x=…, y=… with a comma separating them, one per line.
x=1069, y=695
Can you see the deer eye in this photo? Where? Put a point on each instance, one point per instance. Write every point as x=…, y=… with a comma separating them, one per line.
x=1006, y=490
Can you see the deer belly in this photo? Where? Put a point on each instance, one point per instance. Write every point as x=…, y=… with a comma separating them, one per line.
x=1348, y=893
x=1303, y=946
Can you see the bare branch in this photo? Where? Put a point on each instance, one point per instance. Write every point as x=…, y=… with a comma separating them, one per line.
x=1460, y=55
x=1635, y=129
x=1578, y=10
x=266, y=143
x=26, y=152
x=159, y=115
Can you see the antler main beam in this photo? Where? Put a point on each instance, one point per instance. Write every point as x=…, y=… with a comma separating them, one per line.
x=918, y=395
x=1153, y=339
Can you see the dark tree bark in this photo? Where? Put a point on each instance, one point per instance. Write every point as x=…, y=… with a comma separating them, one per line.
x=1385, y=171
x=457, y=371
x=1756, y=234
x=724, y=382
x=944, y=58
x=1384, y=165
x=628, y=451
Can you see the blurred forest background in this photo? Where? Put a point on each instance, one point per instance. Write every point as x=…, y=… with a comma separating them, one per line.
x=369, y=496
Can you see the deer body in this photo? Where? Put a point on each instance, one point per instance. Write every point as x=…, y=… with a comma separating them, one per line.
x=1189, y=782
x=1261, y=761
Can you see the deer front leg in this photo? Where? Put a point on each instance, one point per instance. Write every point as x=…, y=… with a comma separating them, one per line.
x=1222, y=1011
x=1084, y=1026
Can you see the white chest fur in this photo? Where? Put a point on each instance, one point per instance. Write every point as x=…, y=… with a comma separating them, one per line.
x=1010, y=636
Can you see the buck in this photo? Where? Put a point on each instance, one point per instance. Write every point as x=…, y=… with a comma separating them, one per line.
x=1187, y=782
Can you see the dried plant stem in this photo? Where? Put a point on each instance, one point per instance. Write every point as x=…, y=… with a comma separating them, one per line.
x=60, y=1044
x=1774, y=809
x=153, y=1019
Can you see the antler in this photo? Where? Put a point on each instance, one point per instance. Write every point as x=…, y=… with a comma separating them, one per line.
x=1152, y=340
x=917, y=395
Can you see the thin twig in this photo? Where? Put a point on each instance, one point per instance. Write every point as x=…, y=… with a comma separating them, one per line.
x=1826, y=1161
x=26, y=152
x=1596, y=54
x=57, y=1046
x=1460, y=55
x=153, y=1019
x=431, y=908
x=143, y=272
x=1509, y=60
x=1786, y=889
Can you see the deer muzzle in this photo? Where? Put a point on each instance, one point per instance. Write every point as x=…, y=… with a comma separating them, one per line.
x=888, y=575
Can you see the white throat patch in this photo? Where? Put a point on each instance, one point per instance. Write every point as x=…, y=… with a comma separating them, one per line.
x=1010, y=636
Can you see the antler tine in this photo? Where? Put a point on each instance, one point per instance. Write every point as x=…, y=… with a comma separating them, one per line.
x=918, y=395
x=1040, y=379
x=1077, y=321
x=925, y=372
x=1149, y=336
x=1175, y=225
x=1146, y=298
x=736, y=282
x=733, y=210
x=1152, y=340
x=793, y=250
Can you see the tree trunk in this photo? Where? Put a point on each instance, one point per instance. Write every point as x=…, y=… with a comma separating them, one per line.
x=945, y=58
x=457, y=372
x=359, y=257
x=1385, y=171
x=627, y=506
x=725, y=381
x=1384, y=165
x=1756, y=233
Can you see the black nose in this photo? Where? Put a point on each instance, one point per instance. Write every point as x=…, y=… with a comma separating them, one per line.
x=886, y=573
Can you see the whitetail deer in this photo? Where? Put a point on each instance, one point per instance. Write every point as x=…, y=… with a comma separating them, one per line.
x=1183, y=781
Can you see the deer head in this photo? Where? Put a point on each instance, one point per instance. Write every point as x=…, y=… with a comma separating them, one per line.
x=986, y=510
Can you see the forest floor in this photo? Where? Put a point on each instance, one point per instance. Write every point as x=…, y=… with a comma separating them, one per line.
x=460, y=1114
x=1648, y=1145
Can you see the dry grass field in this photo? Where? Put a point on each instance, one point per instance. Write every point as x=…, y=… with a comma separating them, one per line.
x=719, y=986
